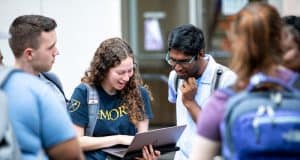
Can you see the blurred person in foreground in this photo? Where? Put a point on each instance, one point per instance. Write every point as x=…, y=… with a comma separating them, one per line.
x=256, y=47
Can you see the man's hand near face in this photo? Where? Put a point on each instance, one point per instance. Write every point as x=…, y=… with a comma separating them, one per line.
x=189, y=90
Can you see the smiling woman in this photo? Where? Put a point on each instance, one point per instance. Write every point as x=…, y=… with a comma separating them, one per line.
x=124, y=107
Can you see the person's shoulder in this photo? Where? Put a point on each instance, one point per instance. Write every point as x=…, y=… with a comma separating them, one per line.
x=172, y=73
x=22, y=74
x=172, y=76
x=50, y=75
x=26, y=80
x=143, y=88
x=53, y=78
x=223, y=93
x=218, y=99
x=25, y=84
x=81, y=87
x=223, y=67
x=80, y=90
x=144, y=91
x=227, y=71
x=228, y=76
x=286, y=74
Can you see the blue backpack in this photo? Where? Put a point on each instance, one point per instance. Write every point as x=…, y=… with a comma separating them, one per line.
x=262, y=123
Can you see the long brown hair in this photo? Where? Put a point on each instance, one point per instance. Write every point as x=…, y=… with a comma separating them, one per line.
x=109, y=54
x=256, y=41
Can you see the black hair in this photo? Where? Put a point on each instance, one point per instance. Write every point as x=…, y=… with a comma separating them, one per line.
x=292, y=21
x=292, y=24
x=186, y=38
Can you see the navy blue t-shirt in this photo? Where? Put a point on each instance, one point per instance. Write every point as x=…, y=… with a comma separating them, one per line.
x=112, y=117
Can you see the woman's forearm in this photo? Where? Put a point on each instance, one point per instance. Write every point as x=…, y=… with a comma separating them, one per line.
x=92, y=143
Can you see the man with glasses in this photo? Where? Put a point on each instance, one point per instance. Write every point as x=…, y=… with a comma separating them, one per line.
x=193, y=78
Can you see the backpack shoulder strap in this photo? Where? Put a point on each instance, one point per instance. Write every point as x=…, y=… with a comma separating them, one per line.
x=217, y=77
x=296, y=83
x=93, y=107
x=5, y=73
x=234, y=98
x=176, y=82
x=55, y=80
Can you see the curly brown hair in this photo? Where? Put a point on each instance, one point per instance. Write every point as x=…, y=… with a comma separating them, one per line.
x=109, y=54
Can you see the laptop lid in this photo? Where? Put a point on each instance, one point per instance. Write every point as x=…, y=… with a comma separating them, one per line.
x=158, y=138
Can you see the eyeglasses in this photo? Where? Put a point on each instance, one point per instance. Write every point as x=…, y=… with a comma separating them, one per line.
x=173, y=62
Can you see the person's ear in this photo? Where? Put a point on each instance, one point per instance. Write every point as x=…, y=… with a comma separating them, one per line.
x=28, y=53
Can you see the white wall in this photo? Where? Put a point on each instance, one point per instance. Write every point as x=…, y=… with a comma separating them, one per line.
x=82, y=25
x=291, y=7
x=286, y=7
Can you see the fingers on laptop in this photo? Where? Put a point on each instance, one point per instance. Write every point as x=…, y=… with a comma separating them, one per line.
x=149, y=153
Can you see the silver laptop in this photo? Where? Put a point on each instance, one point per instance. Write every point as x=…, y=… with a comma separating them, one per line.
x=163, y=139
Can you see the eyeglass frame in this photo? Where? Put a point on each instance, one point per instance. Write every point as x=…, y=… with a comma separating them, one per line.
x=168, y=59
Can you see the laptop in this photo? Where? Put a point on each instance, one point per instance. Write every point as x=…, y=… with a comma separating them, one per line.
x=163, y=139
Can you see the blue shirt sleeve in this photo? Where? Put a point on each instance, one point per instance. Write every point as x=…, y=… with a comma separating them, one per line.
x=38, y=117
x=78, y=107
x=55, y=122
x=147, y=102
